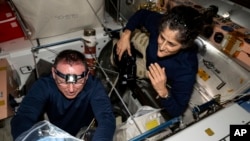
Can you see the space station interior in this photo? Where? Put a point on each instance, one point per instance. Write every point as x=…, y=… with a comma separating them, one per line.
x=221, y=94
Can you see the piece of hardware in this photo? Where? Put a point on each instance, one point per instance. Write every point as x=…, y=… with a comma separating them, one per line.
x=210, y=66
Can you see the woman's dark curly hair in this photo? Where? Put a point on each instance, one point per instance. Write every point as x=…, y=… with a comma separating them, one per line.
x=185, y=19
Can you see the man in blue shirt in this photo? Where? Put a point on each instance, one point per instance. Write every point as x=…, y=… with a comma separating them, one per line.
x=70, y=97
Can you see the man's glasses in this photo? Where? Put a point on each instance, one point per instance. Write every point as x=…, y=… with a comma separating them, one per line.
x=76, y=80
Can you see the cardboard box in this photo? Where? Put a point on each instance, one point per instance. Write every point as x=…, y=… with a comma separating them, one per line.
x=8, y=86
x=9, y=26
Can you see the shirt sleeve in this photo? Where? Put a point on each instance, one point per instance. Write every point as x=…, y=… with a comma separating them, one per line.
x=183, y=78
x=30, y=109
x=144, y=18
x=179, y=96
x=103, y=112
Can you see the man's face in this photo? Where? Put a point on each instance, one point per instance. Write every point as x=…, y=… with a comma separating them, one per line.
x=167, y=43
x=69, y=90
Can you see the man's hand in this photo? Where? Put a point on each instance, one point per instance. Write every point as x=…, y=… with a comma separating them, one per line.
x=158, y=79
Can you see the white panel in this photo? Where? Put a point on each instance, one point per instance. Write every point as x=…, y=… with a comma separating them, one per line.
x=49, y=53
x=219, y=123
x=52, y=18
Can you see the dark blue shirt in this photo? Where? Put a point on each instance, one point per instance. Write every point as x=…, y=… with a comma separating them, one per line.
x=181, y=68
x=67, y=114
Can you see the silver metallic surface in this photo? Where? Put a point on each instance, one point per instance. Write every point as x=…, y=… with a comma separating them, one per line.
x=235, y=12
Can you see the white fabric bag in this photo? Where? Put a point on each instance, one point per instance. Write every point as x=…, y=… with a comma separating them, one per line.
x=146, y=118
x=56, y=17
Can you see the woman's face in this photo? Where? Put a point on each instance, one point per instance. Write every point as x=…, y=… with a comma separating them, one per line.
x=167, y=43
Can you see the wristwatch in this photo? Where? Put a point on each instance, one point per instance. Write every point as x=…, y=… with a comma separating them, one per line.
x=165, y=97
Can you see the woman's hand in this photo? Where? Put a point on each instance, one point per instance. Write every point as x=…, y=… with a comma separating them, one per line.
x=123, y=44
x=158, y=79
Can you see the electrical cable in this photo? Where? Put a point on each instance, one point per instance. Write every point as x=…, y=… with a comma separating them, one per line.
x=116, y=91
